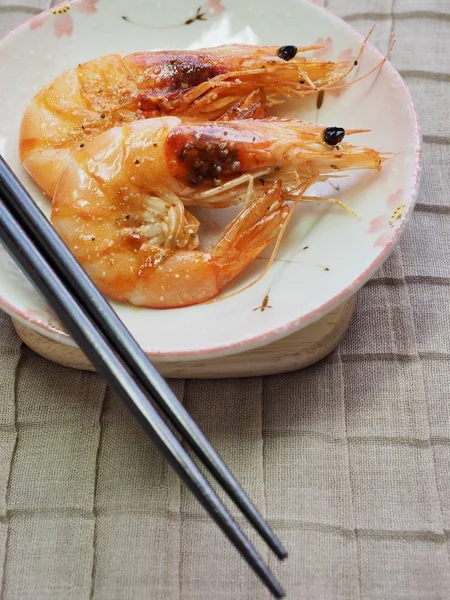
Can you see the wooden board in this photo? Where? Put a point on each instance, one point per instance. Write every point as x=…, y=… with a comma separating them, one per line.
x=293, y=352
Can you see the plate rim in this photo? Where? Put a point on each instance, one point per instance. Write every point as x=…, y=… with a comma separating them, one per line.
x=272, y=335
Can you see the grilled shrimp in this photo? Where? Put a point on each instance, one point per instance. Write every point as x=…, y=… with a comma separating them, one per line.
x=117, y=245
x=236, y=81
x=120, y=204
x=218, y=163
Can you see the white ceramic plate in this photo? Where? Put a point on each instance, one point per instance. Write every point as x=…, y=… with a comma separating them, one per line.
x=303, y=284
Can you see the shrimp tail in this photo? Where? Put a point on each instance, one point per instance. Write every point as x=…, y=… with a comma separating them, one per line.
x=296, y=200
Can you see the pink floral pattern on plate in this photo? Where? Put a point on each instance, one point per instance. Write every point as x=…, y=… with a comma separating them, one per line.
x=328, y=52
x=62, y=20
x=214, y=7
x=385, y=223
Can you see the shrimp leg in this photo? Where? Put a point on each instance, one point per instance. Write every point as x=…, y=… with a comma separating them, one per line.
x=184, y=278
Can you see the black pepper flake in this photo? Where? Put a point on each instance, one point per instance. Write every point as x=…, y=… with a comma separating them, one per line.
x=276, y=169
x=82, y=127
x=127, y=217
x=355, y=63
x=334, y=167
x=287, y=52
x=102, y=116
x=262, y=181
x=82, y=145
x=225, y=133
x=302, y=81
x=92, y=239
x=254, y=139
x=195, y=179
x=136, y=162
x=326, y=269
x=155, y=145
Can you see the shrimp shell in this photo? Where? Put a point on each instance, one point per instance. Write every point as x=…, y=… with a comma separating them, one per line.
x=120, y=204
x=235, y=81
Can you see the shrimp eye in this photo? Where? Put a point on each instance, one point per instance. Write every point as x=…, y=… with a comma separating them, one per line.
x=333, y=135
x=287, y=52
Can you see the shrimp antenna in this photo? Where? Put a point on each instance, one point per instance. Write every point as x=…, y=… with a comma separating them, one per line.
x=357, y=59
x=296, y=201
x=331, y=86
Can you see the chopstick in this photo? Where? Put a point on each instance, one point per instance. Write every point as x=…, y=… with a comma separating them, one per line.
x=97, y=330
x=69, y=270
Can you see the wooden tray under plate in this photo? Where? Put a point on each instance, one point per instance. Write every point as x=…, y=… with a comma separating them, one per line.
x=293, y=352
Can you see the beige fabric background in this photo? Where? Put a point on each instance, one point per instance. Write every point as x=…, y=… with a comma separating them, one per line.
x=349, y=460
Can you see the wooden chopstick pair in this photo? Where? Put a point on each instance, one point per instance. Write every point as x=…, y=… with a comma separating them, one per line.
x=36, y=247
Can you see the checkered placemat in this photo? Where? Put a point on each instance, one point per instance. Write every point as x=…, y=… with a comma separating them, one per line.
x=349, y=459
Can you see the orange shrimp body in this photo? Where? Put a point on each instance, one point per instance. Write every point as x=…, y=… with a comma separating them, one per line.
x=236, y=81
x=115, y=245
x=120, y=204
